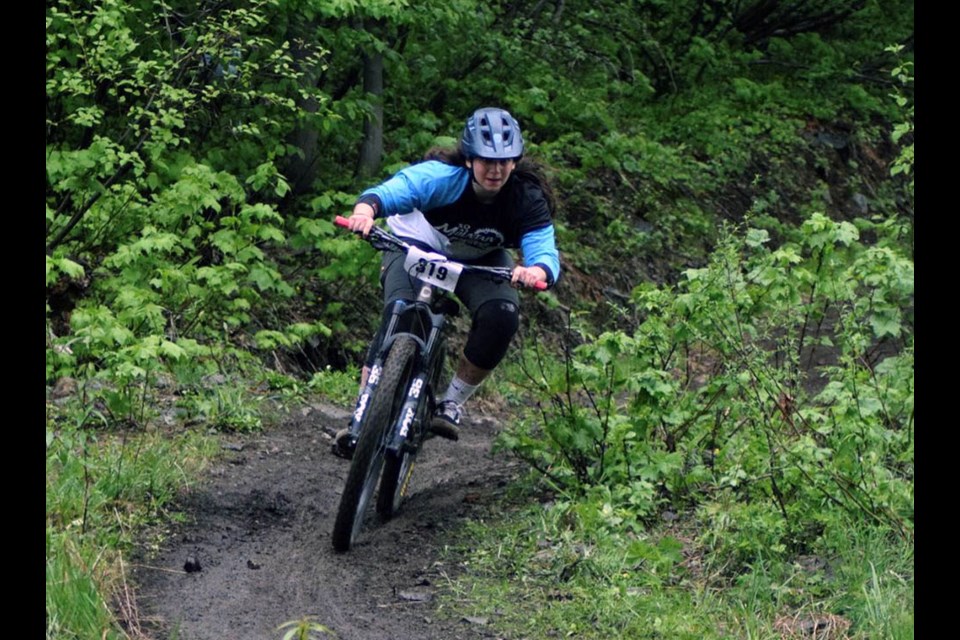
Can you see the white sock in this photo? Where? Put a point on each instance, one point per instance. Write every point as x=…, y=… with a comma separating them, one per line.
x=459, y=391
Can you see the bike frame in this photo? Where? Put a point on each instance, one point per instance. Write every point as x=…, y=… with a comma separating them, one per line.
x=406, y=317
x=410, y=358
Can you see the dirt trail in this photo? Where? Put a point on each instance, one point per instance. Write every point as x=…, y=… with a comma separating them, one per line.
x=259, y=528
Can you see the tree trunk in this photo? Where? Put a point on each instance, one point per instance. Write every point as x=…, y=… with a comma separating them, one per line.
x=301, y=170
x=371, y=151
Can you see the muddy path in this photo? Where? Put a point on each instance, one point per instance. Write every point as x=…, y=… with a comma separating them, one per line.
x=255, y=550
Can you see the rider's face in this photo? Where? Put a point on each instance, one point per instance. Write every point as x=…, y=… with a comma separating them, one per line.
x=490, y=175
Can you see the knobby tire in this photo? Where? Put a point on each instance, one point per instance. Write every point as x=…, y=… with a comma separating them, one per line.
x=397, y=470
x=368, y=457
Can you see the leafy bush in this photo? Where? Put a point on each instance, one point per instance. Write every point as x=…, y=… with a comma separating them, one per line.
x=771, y=387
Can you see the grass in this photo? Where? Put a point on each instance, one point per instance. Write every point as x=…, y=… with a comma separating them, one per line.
x=102, y=487
x=535, y=572
x=339, y=387
x=75, y=577
x=877, y=577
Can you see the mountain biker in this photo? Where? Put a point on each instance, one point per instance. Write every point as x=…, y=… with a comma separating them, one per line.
x=470, y=203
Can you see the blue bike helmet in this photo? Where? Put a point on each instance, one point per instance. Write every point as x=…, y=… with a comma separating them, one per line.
x=492, y=133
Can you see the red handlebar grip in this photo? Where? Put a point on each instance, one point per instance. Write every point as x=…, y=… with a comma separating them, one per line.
x=341, y=221
x=540, y=286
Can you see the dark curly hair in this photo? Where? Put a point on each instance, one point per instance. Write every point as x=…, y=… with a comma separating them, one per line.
x=527, y=169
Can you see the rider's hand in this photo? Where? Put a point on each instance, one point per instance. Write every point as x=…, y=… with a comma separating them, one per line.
x=528, y=276
x=361, y=220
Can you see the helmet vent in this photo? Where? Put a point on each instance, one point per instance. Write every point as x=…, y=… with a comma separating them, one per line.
x=492, y=133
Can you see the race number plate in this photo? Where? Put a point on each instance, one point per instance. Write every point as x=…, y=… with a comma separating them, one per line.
x=433, y=268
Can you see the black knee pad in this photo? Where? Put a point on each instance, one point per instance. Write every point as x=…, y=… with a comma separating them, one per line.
x=494, y=325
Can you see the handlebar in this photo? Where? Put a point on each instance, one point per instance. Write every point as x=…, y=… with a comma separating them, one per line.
x=386, y=241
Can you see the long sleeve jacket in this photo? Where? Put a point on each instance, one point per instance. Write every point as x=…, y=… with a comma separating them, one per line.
x=432, y=202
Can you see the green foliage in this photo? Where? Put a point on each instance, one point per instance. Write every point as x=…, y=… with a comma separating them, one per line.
x=305, y=629
x=170, y=141
x=715, y=400
x=74, y=605
x=223, y=407
x=903, y=131
x=339, y=387
x=196, y=155
x=164, y=146
x=563, y=577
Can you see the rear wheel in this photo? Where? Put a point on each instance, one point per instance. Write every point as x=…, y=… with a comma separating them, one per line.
x=368, y=457
x=395, y=482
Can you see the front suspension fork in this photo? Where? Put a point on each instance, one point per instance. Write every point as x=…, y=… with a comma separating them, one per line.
x=409, y=420
x=363, y=401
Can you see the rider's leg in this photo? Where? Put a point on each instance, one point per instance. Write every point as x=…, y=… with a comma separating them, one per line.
x=465, y=381
x=494, y=325
x=495, y=306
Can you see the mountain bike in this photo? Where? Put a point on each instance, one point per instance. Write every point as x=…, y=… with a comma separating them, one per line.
x=391, y=418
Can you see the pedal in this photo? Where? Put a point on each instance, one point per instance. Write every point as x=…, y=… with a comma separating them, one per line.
x=343, y=446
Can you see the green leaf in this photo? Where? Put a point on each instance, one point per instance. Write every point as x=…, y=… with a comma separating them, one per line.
x=270, y=233
x=264, y=278
x=757, y=237
x=120, y=335
x=847, y=234
x=172, y=350
x=227, y=240
x=70, y=268
x=885, y=323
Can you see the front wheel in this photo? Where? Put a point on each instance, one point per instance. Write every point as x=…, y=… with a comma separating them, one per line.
x=397, y=470
x=368, y=457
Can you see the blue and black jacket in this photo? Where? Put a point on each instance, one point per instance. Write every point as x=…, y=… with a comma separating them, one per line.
x=432, y=202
